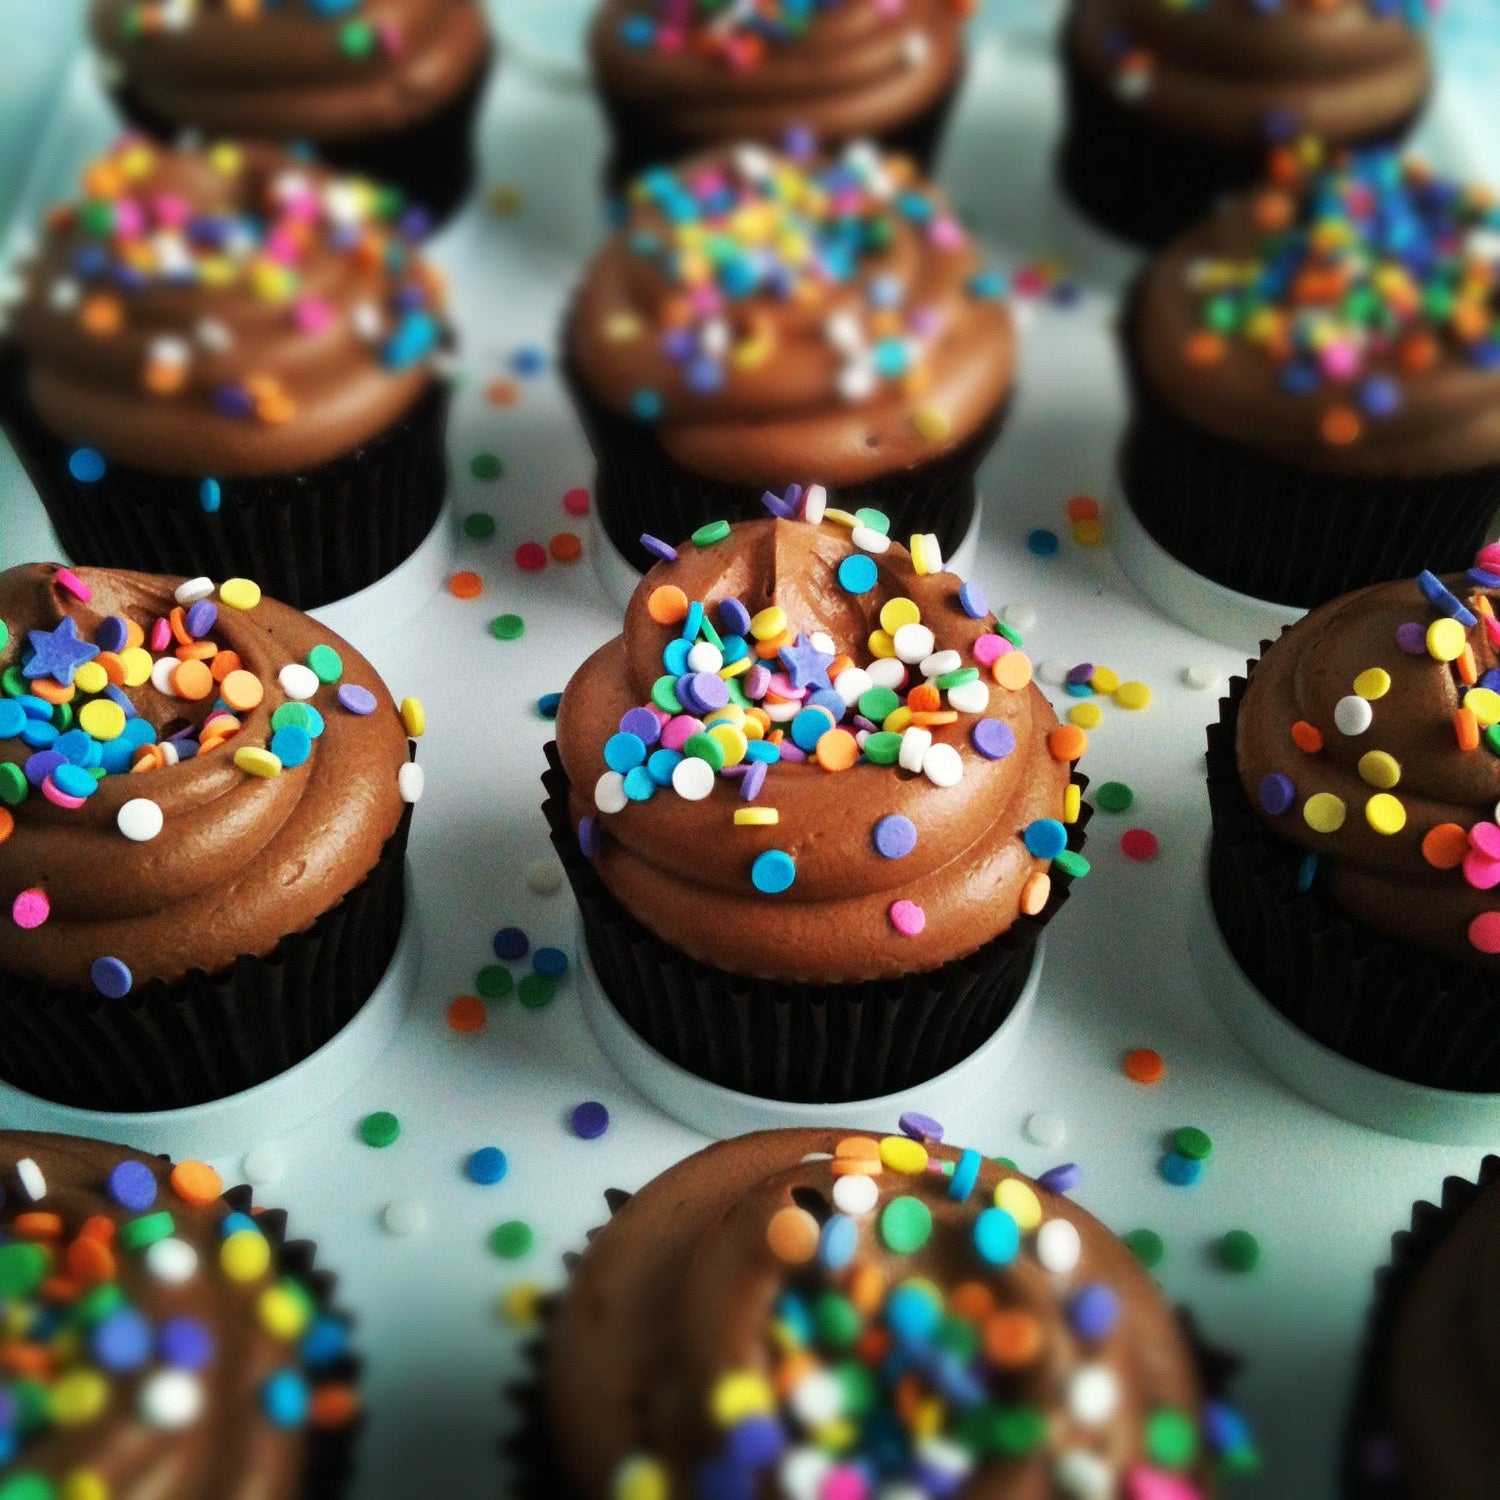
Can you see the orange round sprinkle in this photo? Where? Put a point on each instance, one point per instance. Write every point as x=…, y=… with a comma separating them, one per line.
x=197, y=1183
x=1145, y=1066
x=178, y=621
x=667, y=605
x=500, y=393
x=1307, y=737
x=193, y=681
x=98, y=1228
x=861, y=1146
x=565, y=547
x=1464, y=664
x=972, y=1300
x=49, y=691
x=197, y=651
x=241, y=690
x=1066, y=742
x=90, y=1262
x=466, y=585
x=114, y=668
x=224, y=663
x=1012, y=1338
x=7, y=824
x=101, y=316
x=929, y=720
x=1466, y=729
x=792, y=1235
x=1013, y=670
x=1083, y=508
x=38, y=1225
x=1036, y=892
x=867, y=1288
x=924, y=699
x=466, y=1013
x=334, y=1406
x=1445, y=846
x=1340, y=426
x=1203, y=349
x=837, y=750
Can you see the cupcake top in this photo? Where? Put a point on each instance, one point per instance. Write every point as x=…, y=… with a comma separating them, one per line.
x=753, y=309
x=1344, y=318
x=1369, y=735
x=323, y=70
x=805, y=730
x=723, y=70
x=187, y=773
x=154, y=1339
x=805, y=1312
x=224, y=313
x=1251, y=73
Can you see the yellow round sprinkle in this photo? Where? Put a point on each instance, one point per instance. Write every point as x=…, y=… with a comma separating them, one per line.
x=622, y=327
x=895, y=613
x=79, y=1397
x=1072, y=802
x=841, y=517
x=1373, y=682
x=90, y=678
x=137, y=664
x=282, y=1315
x=902, y=1154
x=521, y=1303
x=739, y=1395
x=1104, y=680
x=1085, y=715
x=881, y=644
x=1019, y=1202
x=245, y=1255
x=84, y=1484
x=932, y=423
x=1484, y=704
x=736, y=668
x=756, y=817
x=255, y=762
x=769, y=623
x=918, y=549
x=103, y=719
x=1385, y=813
x=753, y=729
x=641, y=1479
x=731, y=713
x=897, y=720
x=731, y=741
x=1379, y=769
x=1132, y=695
x=1324, y=813
x=1445, y=640
x=413, y=717
x=1088, y=533
x=239, y=593
x=225, y=159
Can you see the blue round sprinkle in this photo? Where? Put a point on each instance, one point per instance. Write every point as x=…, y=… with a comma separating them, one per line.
x=285, y=1400
x=912, y=1314
x=12, y=718
x=773, y=872
x=111, y=634
x=590, y=1120
x=1046, y=838
x=74, y=781
x=639, y=785
x=550, y=962
x=487, y=1166
x=185, y=1344
x=1180, y=1170
x=511, y=943
x=122, y=1341
x=858, y=572
x=624, y=752
x=895, y=836
x=972, y=601
x=86, y=466
x=645, y=406
x=734, y=617
x=660, y=767
x=132, y=1184
x=1277, y=793
x=210, y=496
x=1042, y=542
x=755, y=1443
x=548, y=704
x=1307, y=872
x=111, y=978
x=326, y=1341
x=997, y=1237
x=839, y=1242
x=809, y=726
x=291, y=745
x=965, y=1176
x=1094, y=1312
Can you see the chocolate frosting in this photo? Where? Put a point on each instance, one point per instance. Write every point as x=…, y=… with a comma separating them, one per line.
x=230, y=1451
x=857, y=70
x=286, y=73
x=241, y=860
x=1382, y=880
x=679, y=1288
x=1221, y=70
x=683, y=868
x=766, y=418
x=344, y=337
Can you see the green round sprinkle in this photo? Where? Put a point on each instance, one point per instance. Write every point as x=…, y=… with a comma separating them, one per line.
x=14, y=683
x=664, y=695
x=1148, y=1245
x=1006, y=1162
x=1194, y=1143
x=875, y=520
x=877, y=705
x=905, y=1224
x=4, y=635
x=380, y=1129
x=858, y=1386
x=1171, y=1438
x=479, y=526
x=494, y=982
x=1114, y=796
x=23, y=1268
x=327, y=665
x=96, y=1305
x=1019, y=1431
x=837, y=1322
x=1239, y=1250
x=148, y=1230
x=512, y=1240
x=486, y=466
x=294, y=716
x=357, y=39
x=1010, y=633
x=957, y=678
x=13, y=787
x=958, y=1337
x=507, y=627
x=28, y=1486
x=1071, y=862
x=715, y=531
x=705, y=747
x=536, y=990
x=883, y=749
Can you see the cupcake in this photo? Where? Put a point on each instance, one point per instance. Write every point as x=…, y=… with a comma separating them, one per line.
x=1315, y=375
x=204, y=803
x=757, y=318
x=1353, y=783
x=225, y=362
x=388, y=91
x=1169, y=106
x=801, y=1312
x=1420, y=1428
x=161, y=1339
x=815, y=812
x=677, y=77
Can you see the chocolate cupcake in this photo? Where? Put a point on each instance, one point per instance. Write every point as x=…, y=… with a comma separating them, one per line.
x=161, y=1337
x=204, y=802
x=1315, y=381
x=1171, y=106
x=680, y=76
x=1353, y=784
x=802, y=1312
x=814, y=811
x=756, y=319
x=226, y=362
x=1420, y=1425
x=389, y=91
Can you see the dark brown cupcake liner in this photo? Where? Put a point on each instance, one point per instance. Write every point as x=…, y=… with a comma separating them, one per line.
x=803, y=1043
x=1143, y=183
x=1292, y=536
x=205, y=1036
x=306, y=539
x=431, y=161
x=639, y=488
x=1392, y=1007
x=1369, y=1466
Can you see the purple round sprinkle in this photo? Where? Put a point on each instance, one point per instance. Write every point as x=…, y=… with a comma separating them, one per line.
x=356, y=699
x=1484, y=578
x=588, y=835
x=112, y=634
x=1094, y=1312
x=511, y=943
x=755, y=1442
x=111, y=978
x=895, y=836
x=755, y=779
x=202, y=616
x=132, y=1184
x=41, y=765
x=590, y=1120
x=687, y=695
x=658, y=548
x=799, y=142
x=777, y=506
x=993, y=738
x=757, y=681
x=972, y=601
x=794, y=754
x=919, y=1127
x=1062, y=1179
x=1277, y=794
x=710, y=690
x=643, y=724
x=1082, y=673
x=734, y=617
x=185, y=1343
x=1411, y=638
x=122, y=1341
x=1379, y=396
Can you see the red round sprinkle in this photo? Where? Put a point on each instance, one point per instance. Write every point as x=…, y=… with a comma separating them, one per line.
x=576, y=502
x=1139, y=844
x=1145, y=1066
x=531, y=556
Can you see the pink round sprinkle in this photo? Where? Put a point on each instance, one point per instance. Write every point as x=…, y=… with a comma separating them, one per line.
x=675, y=733
x=312, y=314
x=988, y=649
x=784, y=687
x=69, y=580
x=1484, y=932
x=31, y=908
x=531, y=556
x=1488, y=557
x=1139, y=844
x=161, y=635
x=907, y=918
x=1481, y=873
x=844, y=1484
x=576, y=502
x=59, y=798
x=1485, y=837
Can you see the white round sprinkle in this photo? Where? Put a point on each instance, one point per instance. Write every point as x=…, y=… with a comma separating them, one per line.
x=887, y=672
x=823, y=642
x=1053, y=671
x=544, y=877
x=782, y=713
x=411, y=782
x=403, y=1217
x=842, y=330
x=970, y=697
x=856, y=381
x=692, y=779
x=1093, y=1394
x=194, y=590
x=140, y=820
x=297, y=681
x=867, y=539
x=1058, y=1246
x=803, y=1472
x=1201, y=677
x=1083, y=1476
x=814, y=503
x=913, y=643
x=161, y=676
x=817, y=1398
x=1020, y=617
x=1353, y=715
x=940, y=662
x=943, y=766
x=813, y=1156
x=915, y=743
x=856, y=1195
x=705, y=657
x=263, y=1166
x=609, y=793
x=852, y=684
x=170, y=754
x=33, y=1183
x=916, y=48
x=170, y=1400
x=932, y=553
x=1045, y=1129
x=173, y=1261
x=213, y=335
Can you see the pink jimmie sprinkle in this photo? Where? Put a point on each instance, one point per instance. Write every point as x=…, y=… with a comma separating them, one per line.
x=907, y=918
x=31, y=908
x=67, y=579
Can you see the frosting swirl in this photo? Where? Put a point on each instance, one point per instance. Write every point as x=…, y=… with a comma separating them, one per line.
x=724, y=828
x=223, y=314
x=753, y=310
x=158, y=818
x=297, y=70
